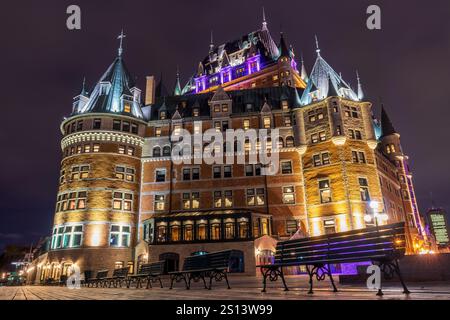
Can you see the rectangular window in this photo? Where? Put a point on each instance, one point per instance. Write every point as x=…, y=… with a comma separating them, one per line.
x=325, y=191
x=186, y=174
x=127, y=108
x=96, y=147
x=116, y=125
x=291, y=226
x=322, y=136
x=317, y=160
x=351, y=133
x=125, y=173
x=314, y=138
x=159, y=202
x=79, y=125
x=160, y=175
x=87, y=148
x=217, y=172
x=329, y=226
x=217, y=199
x=325, y=158
x=121, y=149
x=122, y=201
x=227, y=171
x=134, y=128
x=288, y=195
x=224, y=108
x=228, y=198
x=80, y=172
x=158, y=132
x=195, y=173
x=287, y=121
x=249, y=170
x=130, y=151
x=126, y=126
x=246, y=124
x=364, y=189
x=267, y=122
x=216, y=108
x=119, y=236
x=362, y=157
x=97, y=124
x=286, y=167
x=358, y=135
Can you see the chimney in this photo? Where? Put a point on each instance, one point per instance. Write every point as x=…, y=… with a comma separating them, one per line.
x=150, y=90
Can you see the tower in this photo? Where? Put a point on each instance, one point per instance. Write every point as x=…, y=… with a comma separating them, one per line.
x=390, y=146
x=98, y=195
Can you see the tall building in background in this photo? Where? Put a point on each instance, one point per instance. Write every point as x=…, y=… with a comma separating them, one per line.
x=437, y=220
x=123, y=200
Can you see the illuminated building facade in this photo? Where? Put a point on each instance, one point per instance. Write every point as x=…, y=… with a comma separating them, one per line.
x=123, y=201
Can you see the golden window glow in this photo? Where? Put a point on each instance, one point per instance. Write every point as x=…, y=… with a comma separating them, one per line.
x=127, y=108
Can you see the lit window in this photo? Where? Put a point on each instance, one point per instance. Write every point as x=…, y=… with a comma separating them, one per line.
x=87, y=148
x=322, y=136
x=125, y=173
x=325, y=158
x=314, y=138
x=246, y=124
x=162, y=115
x=216, y=108
x=284, y=105
x=96, y=147
x=329, y=226
x=121, y=149
x=158, y=132
x=325, y=191
x=224, y=108
x=122, y=201
x=130, y=151
x=195, y=112
x=364, y=189
x=159, y=202
x=80, y=172
x=127, y=108
x=287, y=121
x=119, y=237
x=267, y=122
x=291, y=227
x=217, y=199
x=288, y=195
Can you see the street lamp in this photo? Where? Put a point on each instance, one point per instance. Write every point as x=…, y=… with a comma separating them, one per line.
x=368, y=217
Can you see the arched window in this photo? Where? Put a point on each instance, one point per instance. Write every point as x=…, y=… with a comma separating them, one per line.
x=289, y=142
x=280, y=143
x=166, y=151
x=157, y=152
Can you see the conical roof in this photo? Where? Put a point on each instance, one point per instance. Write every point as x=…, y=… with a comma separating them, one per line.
x=387, y=127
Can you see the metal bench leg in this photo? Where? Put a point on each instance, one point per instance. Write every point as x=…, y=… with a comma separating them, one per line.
x=149, y=282
x=310, y=273
x=264, y=274
x=172, y=278
x=397, y=269
x=188, y=283
x=282, y=279
x=226, y=279
x=331, y=279
x=160, y=281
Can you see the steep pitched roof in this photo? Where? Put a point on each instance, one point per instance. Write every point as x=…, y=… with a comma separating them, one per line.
x=114, y=85
x=387, y=127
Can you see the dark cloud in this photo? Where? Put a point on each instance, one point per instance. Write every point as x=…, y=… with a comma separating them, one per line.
x=42, y=65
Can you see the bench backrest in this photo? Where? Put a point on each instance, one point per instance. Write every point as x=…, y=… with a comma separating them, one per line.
x=383, y=242
x=120, y=272
x=102, y=274
x=216, y=260
x=152, y=268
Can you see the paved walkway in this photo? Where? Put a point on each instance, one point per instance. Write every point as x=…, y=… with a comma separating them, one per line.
x=243, y=288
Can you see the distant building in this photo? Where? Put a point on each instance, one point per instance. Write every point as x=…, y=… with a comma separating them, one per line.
x=437, y=220
x=123, y=201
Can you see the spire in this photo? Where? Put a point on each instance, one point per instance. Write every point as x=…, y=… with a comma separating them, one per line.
x=211, y=44
x=83, y=88
x=360, y=91
x=264, y=23
x=303, y=73
x=177, y=90
x=121, y=37
x=284, y=52
x=317, y=46
x=386, y=125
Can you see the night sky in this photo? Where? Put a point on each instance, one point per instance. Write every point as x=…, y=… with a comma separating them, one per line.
x=42, y=65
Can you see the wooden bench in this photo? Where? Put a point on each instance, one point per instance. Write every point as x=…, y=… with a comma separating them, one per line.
x=383, y=246
x=212, y=265
x=119, y=275
x=151, y=272
x=99, y=279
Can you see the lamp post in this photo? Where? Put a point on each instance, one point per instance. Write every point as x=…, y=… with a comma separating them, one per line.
x=368, y=217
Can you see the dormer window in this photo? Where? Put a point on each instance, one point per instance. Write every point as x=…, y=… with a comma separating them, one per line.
x=267, y=122
x=162, y=115
x=216, y=108
x=284, y=105
x=127, y=108
x=177, y=129
x=224, y=108
x=195, y=112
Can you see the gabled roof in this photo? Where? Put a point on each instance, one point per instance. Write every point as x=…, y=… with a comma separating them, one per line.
x=115, y=85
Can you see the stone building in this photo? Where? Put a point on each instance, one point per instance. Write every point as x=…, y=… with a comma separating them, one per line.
x=123, y=200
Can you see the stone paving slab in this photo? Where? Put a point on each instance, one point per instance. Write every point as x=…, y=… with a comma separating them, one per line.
x=243, y=288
